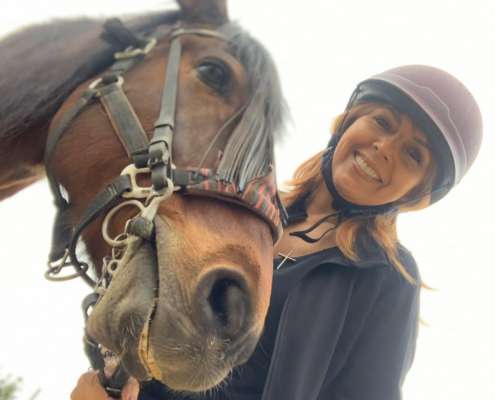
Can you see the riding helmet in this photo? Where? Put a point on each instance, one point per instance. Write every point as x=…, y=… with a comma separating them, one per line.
x=440, y=105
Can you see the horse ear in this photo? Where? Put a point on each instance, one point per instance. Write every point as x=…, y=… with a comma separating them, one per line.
x=211, y=12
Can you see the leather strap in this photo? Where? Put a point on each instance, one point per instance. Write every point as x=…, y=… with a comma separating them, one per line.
x=60, y=232
x=169, y=97
x=117, y=33
x=103, y=201
x=160, y=150
x=54, y=137
x=62, y=229
x=113, y=385
x=125, y=123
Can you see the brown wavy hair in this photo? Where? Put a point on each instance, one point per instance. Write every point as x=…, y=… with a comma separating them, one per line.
x=383, y=227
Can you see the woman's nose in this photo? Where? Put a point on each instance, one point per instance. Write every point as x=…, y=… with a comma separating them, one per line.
x=385, y=147
x=382, y=150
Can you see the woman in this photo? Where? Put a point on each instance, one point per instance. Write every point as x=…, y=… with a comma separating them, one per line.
x=343, y=316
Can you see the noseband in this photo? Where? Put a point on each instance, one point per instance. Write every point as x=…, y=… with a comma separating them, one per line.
x=149, y=158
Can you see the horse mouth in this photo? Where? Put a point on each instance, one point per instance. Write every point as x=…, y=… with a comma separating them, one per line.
x=124, y=312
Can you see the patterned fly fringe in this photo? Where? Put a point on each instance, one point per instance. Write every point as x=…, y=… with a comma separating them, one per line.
x=259, y=195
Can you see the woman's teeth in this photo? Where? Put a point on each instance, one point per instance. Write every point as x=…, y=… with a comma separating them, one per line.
x=365, y=167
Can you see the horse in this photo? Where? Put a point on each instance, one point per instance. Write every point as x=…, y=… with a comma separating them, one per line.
x=157, y=140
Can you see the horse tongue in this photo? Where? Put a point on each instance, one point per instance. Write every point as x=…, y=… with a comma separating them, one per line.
x=124, y=311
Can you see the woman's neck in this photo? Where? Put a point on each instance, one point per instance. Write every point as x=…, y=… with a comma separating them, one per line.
x=320, y=202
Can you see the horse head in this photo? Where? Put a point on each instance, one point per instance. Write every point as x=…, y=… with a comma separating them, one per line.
x=187, y=303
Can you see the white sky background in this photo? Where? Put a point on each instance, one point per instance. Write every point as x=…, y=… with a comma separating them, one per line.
x=322, y=50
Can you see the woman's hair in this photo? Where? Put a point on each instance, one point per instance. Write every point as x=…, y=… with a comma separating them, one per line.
x=382, y=227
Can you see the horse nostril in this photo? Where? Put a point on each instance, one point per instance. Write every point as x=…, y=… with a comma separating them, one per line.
x=224, y=303
x=228, y=303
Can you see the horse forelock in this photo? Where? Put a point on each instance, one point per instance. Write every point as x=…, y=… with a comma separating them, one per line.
x=249, y=152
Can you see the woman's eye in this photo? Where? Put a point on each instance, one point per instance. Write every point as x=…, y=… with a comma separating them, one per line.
x=216, y=74
x=383, y=122
x=415, y=154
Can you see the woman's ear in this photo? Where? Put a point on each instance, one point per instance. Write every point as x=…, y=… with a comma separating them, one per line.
x=210, y=12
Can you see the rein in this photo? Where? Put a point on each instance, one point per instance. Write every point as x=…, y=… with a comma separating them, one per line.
x=151, y=158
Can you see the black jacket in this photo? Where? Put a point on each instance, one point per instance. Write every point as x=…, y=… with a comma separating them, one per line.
x=336, y=330
x=347, y=331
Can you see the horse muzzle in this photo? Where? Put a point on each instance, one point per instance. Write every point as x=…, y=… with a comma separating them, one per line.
x=188, y=334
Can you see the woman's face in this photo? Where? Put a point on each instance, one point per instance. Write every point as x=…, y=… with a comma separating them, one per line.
x=380, y=158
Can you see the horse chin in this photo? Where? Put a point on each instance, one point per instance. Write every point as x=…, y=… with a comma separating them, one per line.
x=197, y=365
x=118, y=320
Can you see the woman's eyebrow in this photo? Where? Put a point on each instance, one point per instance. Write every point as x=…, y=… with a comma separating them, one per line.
x=394, y=113
x=421, y=142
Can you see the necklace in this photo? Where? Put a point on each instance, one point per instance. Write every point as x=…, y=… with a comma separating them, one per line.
x=285, y=258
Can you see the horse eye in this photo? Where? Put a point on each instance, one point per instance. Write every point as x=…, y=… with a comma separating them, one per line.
x=214, y=73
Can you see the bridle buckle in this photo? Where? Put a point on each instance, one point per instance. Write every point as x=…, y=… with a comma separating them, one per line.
x=137, y=191
x=132, y=52
x=158, y=154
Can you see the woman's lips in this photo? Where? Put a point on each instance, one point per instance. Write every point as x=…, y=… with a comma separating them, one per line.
x=365, y=168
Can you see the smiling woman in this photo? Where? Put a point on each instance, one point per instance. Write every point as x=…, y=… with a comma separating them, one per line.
x=407, y=137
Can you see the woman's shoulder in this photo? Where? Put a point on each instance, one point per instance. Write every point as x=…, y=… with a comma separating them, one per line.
x=405, y=283
x=368, y=248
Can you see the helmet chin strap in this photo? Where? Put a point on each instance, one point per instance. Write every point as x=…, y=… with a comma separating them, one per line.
x=344, y=208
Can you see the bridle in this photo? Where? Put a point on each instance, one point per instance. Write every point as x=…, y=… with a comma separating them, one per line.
x=151, y=158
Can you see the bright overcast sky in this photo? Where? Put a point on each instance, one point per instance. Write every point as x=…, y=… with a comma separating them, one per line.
x=322, y=51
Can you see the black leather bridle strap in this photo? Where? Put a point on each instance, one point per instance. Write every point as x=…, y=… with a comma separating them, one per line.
x=62, y=231
x=160, y=149
x=169, y=97
x=102, y=203
x=125, y=123
x=113, y=385
x=54, y=137
x=120, y=36
x=125, y=61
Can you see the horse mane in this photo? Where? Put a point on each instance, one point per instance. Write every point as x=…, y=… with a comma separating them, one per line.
x=56, y=58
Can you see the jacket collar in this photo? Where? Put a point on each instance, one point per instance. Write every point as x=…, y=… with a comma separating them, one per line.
x=370, y=257
x=371, y=254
